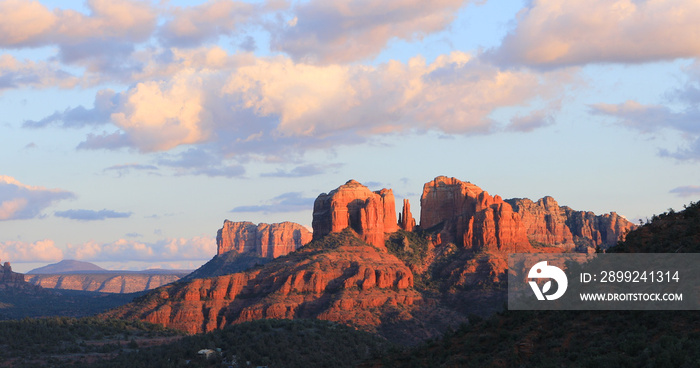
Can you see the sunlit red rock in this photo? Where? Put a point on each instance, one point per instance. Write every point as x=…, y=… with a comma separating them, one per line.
x=464, y=214
x=346, y=284
x=470, y=217
x=263, y=240
x=406, y=220
x=353, y=205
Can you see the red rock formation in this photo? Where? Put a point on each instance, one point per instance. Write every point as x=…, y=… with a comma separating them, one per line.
x=108, y=282
x=470, y=217
x=369, y=214
x=263, y=240
x=548, y=223
x=406, y=220
x=7, y=276
x=544, y=221
x=349, y=284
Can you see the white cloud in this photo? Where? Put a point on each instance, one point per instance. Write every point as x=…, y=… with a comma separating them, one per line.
x=554, y=33
x=349, y=30
x=39, y=251
x=20, y=201
x=172, y=249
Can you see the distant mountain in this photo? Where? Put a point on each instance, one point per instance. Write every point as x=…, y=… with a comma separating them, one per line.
x=85, y=276
x=66, y=266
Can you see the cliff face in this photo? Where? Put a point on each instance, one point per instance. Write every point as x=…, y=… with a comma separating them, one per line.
x=369, y=214
x=471, y=217
x=467, y=215
x=102, y=282
x=548, y=223
x=348, y=283
x=262, y=240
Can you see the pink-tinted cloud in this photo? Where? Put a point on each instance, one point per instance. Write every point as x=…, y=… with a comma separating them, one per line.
x=172, y=249
x=535, y=120
x=275, y=108
x=349, y=30
x=25, y=23
x=29, y=23
x=39, y=251
x=193, y=26
x=20, y=201
x=455, y=94
x=554, y=33
x=26, y=73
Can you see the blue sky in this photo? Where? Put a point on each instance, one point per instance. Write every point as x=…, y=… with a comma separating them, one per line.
x=131, y=129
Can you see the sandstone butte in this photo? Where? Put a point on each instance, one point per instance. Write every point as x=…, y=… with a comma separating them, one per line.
x=346, y=274
x=262, y=240
x=369, y=214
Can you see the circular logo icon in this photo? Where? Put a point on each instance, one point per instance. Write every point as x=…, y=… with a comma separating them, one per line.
x=543, y=271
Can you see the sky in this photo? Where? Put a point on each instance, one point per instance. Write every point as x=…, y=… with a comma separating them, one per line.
x=130, y=130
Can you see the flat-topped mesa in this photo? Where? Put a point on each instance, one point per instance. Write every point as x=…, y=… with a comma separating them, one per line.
x=369, y=214
x=262, y=240
x=470, y=217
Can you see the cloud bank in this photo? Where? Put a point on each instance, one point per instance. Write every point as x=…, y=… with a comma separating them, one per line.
x=552, y=33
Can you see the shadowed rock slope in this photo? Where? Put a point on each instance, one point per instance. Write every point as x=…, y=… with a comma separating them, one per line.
x=338, y=278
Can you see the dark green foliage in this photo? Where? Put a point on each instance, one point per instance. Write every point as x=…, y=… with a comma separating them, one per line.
x=410, y=247
x=277, y=343
x=565, y=339
x=347, y=237
x=670, y=232
x=30, y=340
x=33, y=301
x=581, y=338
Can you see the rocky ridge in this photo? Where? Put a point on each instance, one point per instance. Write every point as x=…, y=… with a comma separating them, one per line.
x=468, y=216
x=361, y=266
x=339, y=278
